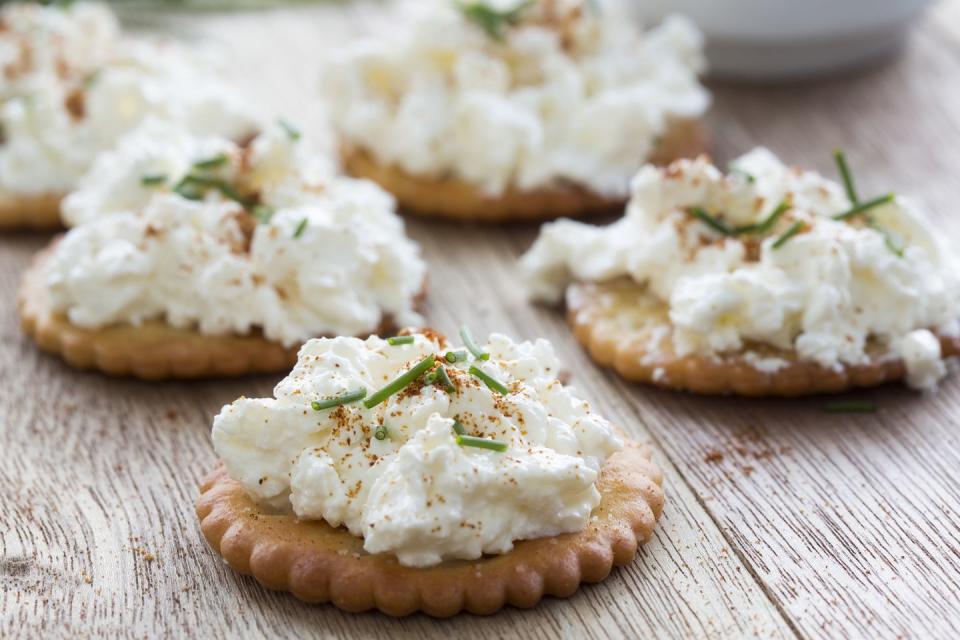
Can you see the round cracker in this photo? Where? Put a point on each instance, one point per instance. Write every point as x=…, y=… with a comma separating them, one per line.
x=152, y=350
x=625, y=327
x=39, y=212
x=318, y=563
x=454, y=199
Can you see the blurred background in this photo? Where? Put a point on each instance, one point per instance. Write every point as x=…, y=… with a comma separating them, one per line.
x=764, y=40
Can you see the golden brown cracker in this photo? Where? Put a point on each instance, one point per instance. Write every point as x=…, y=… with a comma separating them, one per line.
x=458, y=200
x=626, y=328
x=30, y=212
x=318, y=563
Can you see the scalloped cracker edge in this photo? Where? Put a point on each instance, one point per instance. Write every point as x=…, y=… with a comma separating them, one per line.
x=458, y=200
x=624, y=327
x=318, y=563
x=30, y=212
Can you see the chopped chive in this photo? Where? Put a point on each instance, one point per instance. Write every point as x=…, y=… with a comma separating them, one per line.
x=262, y=213
x=796, y=228
x=192, y=187
x=734, y=170
x=710, y=221
x=853, y=406
x=395, y=340
x=841, y=159
x=481, y=443
x=300, y=228
x=211, y=163
x=892, y=244
x=400, y=382
x=489, y=380
x=336, y=401
x=444, y=379
x=381, y=433
x=291, y=130
x=471, y=345
x=490, y=19
x=153, y=179
x=768, y=223
x=456, y=356
x=458, y=428
x=865, y=206
x=188, y=189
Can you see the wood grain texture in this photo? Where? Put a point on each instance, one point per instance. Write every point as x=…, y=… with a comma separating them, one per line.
x=780, y=521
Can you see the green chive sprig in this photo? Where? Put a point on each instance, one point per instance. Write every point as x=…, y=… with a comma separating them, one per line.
x=444, y=379
x=489, y=380
x=153, y=179
x=471, y=345
x=492, y=20
x=850, y=406
x=336, y=401
x=481, y=443
x=300, y=228
x=381, y=433
x=454, y=357
x=458, y=428
x=768, y=223
x=865, y=206
x=211, y=163
x=292, y=131
x=714, y=223
x=794, y=229
x=841, y=159
x=395, y=340
x=401, y=382
x=194, y=187
x=891, y=241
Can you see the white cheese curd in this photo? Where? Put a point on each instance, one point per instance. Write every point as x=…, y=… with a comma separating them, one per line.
x=329, y=255
x=75, y=87
x=567, y=93
x=887, y=277
x=416, y=493
x=66, y=41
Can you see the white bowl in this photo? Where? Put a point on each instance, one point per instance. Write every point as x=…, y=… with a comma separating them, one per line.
x=787, y=39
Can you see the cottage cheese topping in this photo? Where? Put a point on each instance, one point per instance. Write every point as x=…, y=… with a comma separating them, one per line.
x=327, y=256
x=828, y=292
x=65, y=41
x=567, y=94
x=417, y=493
x=71, y=87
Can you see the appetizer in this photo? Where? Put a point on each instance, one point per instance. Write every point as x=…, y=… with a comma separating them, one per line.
x=195, y=256
x=411, y=474
x=71, y=86
x=518, y=110
x=767, y=280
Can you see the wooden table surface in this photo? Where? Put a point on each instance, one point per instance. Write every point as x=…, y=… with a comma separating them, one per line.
x=781, y=520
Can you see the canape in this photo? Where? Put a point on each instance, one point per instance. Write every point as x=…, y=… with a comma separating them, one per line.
x=767, y=280
x=195, y=256
x=71, y=85
x=411, y=474
x=516, y=111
